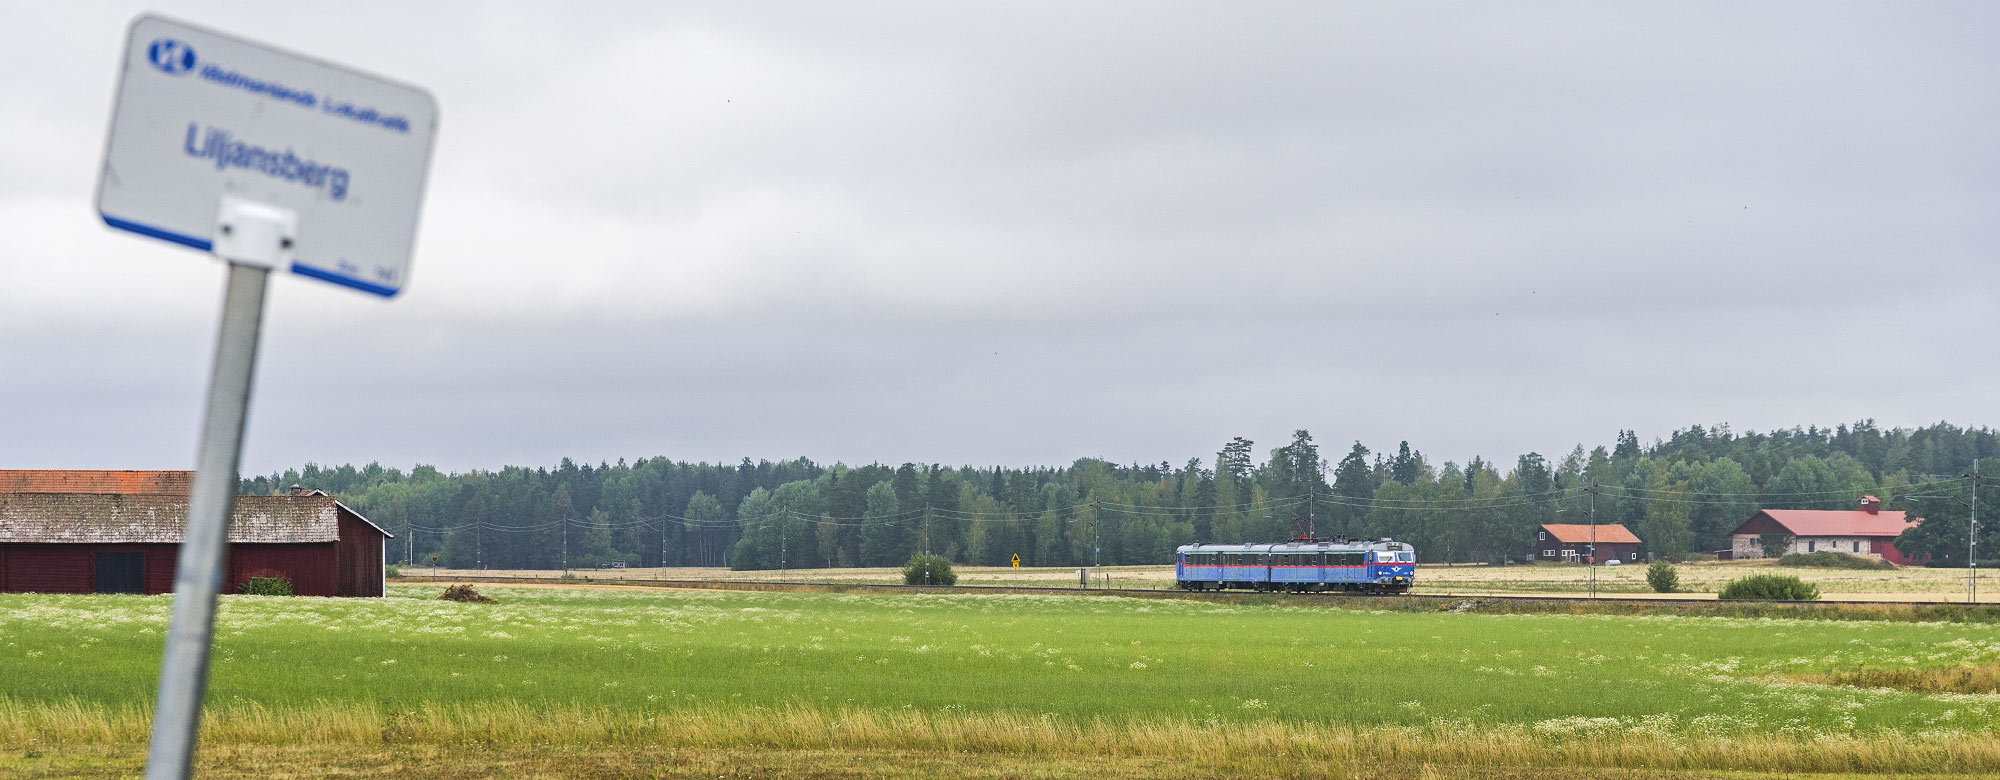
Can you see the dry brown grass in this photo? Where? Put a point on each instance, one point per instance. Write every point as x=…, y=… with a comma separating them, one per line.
x=1961, y=679
x=463, y=762
x=1259, y=748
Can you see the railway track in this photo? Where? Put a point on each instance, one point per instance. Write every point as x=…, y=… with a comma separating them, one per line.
x=1174, y=593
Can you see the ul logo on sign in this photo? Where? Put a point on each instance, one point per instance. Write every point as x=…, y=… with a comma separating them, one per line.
x=171, y=56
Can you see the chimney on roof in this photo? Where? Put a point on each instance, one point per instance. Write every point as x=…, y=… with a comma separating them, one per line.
x=1871, y=504
x=298, y=489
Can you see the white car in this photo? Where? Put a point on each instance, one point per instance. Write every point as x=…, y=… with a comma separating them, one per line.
x=1614, y=562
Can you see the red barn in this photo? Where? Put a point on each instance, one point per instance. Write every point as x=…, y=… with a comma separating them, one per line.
x=112, y=542
x=1866, y=531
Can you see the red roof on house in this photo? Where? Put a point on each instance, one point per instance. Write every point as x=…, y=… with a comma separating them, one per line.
x=171, y=483
x=1842, y=522
x=1607, y=533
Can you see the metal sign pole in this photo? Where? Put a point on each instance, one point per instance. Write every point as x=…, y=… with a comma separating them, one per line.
x=180, y=139
x=198, y=575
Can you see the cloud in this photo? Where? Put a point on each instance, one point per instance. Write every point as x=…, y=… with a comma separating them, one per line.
x=1019, y=234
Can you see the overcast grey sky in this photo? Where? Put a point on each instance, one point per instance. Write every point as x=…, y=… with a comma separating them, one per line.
x=1019, y=233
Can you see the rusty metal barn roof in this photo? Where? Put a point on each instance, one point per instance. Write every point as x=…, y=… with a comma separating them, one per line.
x=94, y=518
x=94, y=481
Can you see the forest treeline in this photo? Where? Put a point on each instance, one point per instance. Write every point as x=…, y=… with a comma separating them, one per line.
x=1682, y=494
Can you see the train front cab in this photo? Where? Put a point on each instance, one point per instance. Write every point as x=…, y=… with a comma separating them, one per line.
x=1198, y=569
x=1392, y=571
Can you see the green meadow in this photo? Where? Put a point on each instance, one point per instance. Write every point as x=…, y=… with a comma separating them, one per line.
x=1031, y=676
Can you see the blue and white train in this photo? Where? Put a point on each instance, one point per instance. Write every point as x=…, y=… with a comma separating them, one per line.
x=1371, y=566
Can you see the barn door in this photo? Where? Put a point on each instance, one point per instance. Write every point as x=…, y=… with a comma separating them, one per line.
x=121, y=572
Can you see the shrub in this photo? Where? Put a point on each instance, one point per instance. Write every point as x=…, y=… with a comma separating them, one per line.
x=1834, y=560
x=392, y=572
x=1662, y=577
x=928, y=569
x=1774, y=544
x=267, y=586
x=1770, y=587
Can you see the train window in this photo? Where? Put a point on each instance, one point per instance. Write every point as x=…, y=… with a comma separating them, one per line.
x=1406, y=557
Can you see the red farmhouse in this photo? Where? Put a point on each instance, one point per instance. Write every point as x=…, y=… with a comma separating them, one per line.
x=1866, y=531
x=128, y=542
x=1570, y=543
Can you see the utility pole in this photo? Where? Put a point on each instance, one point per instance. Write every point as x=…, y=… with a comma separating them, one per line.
x=565, y=536
x=1972, y=539
x=1591, y=560
x=782, y=531
x=1312, y=532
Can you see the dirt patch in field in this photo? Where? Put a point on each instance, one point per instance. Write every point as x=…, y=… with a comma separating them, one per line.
x=465, y=593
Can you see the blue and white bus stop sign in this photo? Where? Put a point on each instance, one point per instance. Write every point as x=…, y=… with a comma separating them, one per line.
x=202, y=117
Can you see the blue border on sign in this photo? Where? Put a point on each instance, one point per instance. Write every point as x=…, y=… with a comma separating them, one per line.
x=164, y=235
x=206, y=246
x=344, y=281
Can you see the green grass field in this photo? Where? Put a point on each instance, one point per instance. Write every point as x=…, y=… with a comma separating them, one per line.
x=1026, y=676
